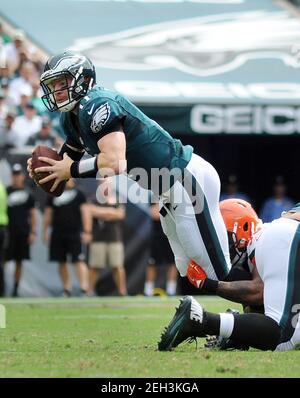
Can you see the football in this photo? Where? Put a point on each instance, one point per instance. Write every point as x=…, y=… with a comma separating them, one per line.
x=43, y=150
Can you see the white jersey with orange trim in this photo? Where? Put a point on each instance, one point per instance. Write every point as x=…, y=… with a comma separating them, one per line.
x=275, y=250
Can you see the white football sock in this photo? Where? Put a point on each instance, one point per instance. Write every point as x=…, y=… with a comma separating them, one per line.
x=148, y=288
x=226, y=324
x=171, y=288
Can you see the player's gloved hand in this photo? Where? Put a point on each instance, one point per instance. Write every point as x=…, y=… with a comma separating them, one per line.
x=196, y=275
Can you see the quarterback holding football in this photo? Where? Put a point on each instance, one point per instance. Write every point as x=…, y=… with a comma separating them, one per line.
x=120, y=138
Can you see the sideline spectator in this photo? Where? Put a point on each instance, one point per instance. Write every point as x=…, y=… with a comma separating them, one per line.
x=26, y=125
x=4, y=36
x=22, y=84
x=18, y=52
x=279, y=202
x=3, y=107
x=25, y=98
x=22, y=222
x=232, y=190
x=107, y=248
x=7, y=132
x=4, y=84
x=45, y=136
x=67, y=214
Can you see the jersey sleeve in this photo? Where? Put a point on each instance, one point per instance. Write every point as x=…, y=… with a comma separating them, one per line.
x=103, y=116
x=74, y=144
x=72, y=151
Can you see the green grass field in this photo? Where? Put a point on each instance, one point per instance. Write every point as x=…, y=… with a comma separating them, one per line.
x=113, y=337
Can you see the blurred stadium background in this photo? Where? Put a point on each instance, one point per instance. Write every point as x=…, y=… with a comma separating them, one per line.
x=220, y=75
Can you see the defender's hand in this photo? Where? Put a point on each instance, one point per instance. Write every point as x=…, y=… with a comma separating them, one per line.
x=196, y=275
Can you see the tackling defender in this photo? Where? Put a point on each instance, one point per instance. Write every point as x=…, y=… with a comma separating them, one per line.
x=242, y=223
x=275, y=252
x=121, y=138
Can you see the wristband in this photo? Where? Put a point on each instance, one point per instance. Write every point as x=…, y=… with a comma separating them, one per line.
x=210, y=286
x=85, y=168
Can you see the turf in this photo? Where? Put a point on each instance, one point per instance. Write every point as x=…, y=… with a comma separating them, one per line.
x=113, y=337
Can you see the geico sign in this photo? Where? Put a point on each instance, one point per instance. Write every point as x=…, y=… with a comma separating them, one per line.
x=193, y=90
x=244, y=119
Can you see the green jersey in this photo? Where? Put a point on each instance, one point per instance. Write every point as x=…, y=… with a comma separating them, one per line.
x=148, y=145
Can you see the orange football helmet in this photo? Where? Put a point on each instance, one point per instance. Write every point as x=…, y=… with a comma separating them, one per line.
x=241, y=222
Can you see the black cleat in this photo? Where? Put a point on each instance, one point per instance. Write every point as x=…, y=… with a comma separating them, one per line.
x=186, y=323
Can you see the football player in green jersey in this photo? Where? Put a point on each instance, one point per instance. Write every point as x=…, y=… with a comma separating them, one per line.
x=120, y=138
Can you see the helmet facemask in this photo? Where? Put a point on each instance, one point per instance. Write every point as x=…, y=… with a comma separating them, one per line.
x=236, y=249
x=75, y=85
x=240, y=237
x=78, y=73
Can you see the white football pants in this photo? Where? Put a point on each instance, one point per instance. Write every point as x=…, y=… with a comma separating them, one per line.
x=192, y=221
